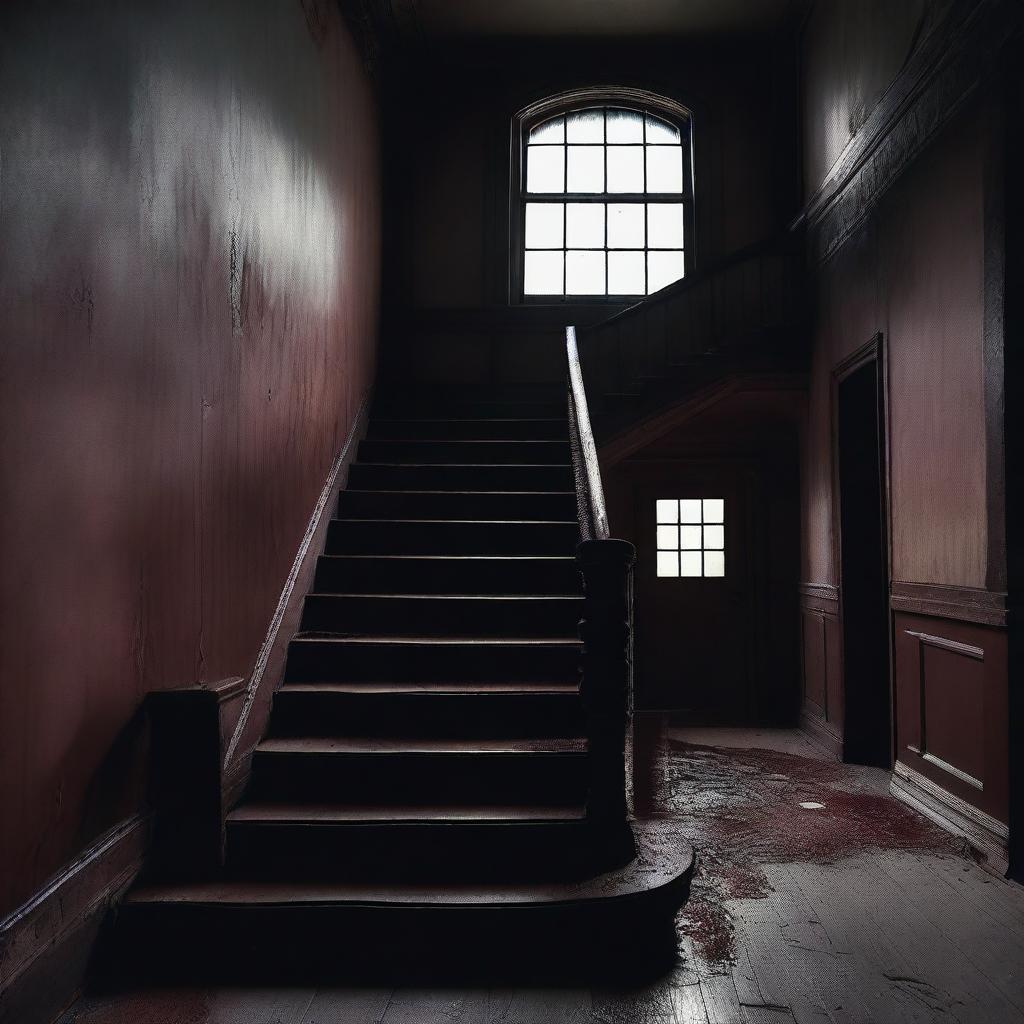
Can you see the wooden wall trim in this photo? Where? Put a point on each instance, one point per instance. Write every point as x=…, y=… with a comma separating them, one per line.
x=937, y=82
x=267, y=672
x=945, y=644
x=985, y=833
x=963, y=604
x=821, y=591
x=46, y=943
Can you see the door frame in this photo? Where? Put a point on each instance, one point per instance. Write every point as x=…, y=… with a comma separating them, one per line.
x=874, y=350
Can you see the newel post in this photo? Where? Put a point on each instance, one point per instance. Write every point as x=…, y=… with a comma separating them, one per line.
x=605, y=566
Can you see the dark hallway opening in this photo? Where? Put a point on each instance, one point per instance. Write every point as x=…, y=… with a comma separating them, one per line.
x=863, y=542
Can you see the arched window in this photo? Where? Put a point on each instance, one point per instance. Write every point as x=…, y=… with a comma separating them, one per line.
x=605, y=198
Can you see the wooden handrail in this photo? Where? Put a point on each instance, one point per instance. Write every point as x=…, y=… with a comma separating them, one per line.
x=584, y=436
x=701, y=274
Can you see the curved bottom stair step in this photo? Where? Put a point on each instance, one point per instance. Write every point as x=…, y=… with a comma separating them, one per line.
x=614, y=925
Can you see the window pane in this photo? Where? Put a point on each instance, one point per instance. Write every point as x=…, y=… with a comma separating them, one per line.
x=665, y=225
x=667, y=510
x=664, y=169
x=625, y=126
x=714, y=510
x=689, y=510
x=586, y=169
x=584, y=225
x=542, y=273
x=714, y=537
x=625, y=168
x=668, y=537
x=714, y=563
x=662, y=269
x=689, y=563
x=584, y=273
x=626, y=273
x=668, y=563
x=661, y=131
x=625, y=226
x=549, y=131
x=585, y=125
x=545, y=170
x=543, y=225
x=689, y=538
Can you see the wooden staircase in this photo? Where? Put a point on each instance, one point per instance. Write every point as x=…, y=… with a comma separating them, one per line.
x=422, y=800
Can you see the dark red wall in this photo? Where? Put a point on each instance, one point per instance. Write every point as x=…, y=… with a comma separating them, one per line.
x=188, y=301
x=915, y=271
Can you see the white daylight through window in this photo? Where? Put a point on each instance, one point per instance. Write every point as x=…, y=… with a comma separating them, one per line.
x=604, y=204
x=690, y=537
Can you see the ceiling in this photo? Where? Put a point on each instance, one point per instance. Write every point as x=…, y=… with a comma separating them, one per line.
x=590, y=17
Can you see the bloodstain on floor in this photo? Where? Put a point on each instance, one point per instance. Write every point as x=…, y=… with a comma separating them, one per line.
x=741, y=810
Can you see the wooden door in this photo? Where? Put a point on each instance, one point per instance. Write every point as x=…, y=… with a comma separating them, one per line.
x=693, y=596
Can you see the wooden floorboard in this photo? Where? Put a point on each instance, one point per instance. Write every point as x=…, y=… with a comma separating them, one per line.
x=895, y=928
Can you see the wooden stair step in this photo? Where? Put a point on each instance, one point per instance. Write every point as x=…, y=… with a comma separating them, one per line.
x=533, y=615
x=451, y=536
x=387, y=745
x=437, y=814
x=463, y=451
x=448, y=574
x=461, y=477
x=479, y=505
x=432, y=429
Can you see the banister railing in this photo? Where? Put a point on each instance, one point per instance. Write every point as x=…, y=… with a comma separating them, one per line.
x=589, y=489
x=606, y=564
x=748, y=302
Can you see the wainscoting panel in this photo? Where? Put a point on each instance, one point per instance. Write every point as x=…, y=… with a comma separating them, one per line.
x=821, y=712
x=951, y=707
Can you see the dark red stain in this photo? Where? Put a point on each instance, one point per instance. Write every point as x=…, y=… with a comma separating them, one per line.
x=742, y=810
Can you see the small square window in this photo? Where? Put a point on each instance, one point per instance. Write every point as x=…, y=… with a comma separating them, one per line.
x=690, y=537
x=545, y=169
x=668, y=563
x=668, y=537
x=625, y=272
x=544, y=226
x=667, y=511
x=584, y=272
x=586, y=169
x=689, y=510
x=584, y=226
x=542, y=272
x=689, y=563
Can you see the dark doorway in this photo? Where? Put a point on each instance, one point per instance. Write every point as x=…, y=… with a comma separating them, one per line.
x=864, y=559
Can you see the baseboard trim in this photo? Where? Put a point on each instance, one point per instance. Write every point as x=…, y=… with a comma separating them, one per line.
x=821, y=733
x=987, y=835
x=46, y=944
x=266, y=674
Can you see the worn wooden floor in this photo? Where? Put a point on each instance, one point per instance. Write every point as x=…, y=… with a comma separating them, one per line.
x=854, y=911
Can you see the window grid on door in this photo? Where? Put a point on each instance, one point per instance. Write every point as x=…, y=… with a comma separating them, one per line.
x=690, y=537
